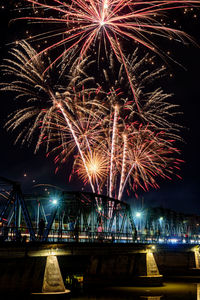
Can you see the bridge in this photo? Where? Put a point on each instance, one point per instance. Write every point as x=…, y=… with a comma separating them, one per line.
x=63, y=217
x=84, y=217
x=88, y=234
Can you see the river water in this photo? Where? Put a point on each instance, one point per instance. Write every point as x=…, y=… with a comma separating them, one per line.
x=169, y=291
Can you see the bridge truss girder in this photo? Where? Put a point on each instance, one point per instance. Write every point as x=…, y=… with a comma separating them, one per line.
x=14, y=205
x=75, y=211
x=91, y=213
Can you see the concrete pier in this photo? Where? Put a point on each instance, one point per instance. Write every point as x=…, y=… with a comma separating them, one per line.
x=23, y=266
x=53, y=281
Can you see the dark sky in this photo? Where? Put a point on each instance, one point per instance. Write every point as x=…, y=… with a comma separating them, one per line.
x=181, y=195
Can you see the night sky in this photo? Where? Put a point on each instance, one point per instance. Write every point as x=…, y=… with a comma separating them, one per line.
x=19, y=163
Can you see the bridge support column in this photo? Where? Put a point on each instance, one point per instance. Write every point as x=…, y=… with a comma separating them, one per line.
x=151, y=275
x=53, y=281
x=197, y=258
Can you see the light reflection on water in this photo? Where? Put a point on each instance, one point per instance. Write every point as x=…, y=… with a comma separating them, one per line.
x=169, y=291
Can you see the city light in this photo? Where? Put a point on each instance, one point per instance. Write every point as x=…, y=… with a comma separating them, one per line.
x=55, y=201
x=138, y=214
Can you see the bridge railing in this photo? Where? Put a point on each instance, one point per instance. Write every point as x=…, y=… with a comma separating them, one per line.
x=88, y=236
x=21, y=234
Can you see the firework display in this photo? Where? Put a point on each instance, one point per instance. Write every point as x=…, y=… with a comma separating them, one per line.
x=105, y=24
x=89, y=98
x=45, y=102
x=111, y=148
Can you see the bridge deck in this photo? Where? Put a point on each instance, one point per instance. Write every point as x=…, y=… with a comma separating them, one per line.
x=59, y=249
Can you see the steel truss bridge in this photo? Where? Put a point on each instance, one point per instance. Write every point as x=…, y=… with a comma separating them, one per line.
x=86, y=217
x=77, y=216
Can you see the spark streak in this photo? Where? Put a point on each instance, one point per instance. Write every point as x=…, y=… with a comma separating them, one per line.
x=107, y=138
x=88, y=23
x=124, y=158
x=113, y=149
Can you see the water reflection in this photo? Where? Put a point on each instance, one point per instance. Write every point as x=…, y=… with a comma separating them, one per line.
x=197, y=258
x=198, y=291
x=169, y=291
x=151, y=297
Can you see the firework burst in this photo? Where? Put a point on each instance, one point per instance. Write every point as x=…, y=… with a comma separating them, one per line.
x=109, y=148
x=139, y=158
x=85, y=23
x=43, y=97
x=156, y=106
x=98, y=164
x=45, y=102
x=150, y=156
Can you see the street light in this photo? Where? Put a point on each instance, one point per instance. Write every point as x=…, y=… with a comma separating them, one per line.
x=139, y=225
x=138, y=214
x=99, y=208
x=54, y=201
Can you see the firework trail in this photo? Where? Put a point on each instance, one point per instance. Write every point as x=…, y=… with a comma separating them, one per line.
x=149, y=155
x=101, y=131
x=142, y=157
x=123, y=169
x=113, y=148
x=156, y=106
x=105, y=22
x=121, y=129
x=133, y=153
x=46, y=102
